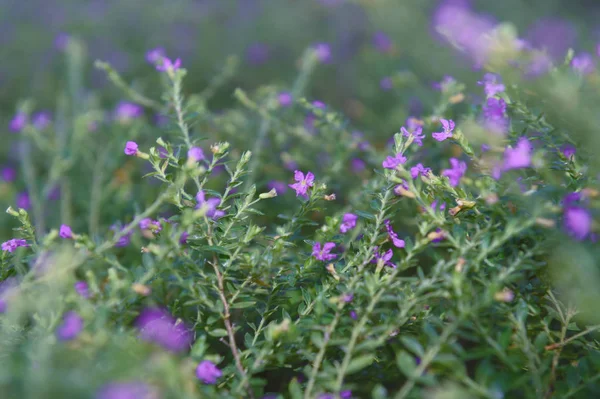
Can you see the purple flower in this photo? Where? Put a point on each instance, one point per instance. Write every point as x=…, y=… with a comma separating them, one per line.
x=158, y=326
x=41, y=120
x=167, y=65
x=302, y=182
x=13, y=244
x=456, y=172
x=8, y=174
x=401, y=187
x=577, y=222
x=183, y=237
x=353, y=315
x=154, y=56
x=348, y=222
x=18, y=122
x=386, y=83
x=127, y=390
x=71, y=326
x=539, y=65
x=285, y=99
x=393, y=162
x=448, y=126
x=568, y=150
x=348, y=297
x=196, y=154
x=149, y=224
x=419, y=169
x=492, y=84
x=81, y=287
x=383, y=257
x=258, y=53
x=323, y=52
x=583, y=64
x=131, y=148
x=416, y=134
x=210, y=205
x=323, y=254
x=126, y=111
x=23, y=200
x=207, y=372
x=494, y=115
x=552, y=35
x=61, y=41
x=65, y=231
x=398, y=243
x=279, y=186
x=444, y=83
x=518, y=157
x=346, y=394
x=357, y=165
x=435, y=207
x=319, y=104
x=382, y=42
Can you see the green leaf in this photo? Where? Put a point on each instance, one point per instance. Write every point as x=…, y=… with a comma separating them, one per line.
x=359, y=363
x=412, y=345
x=406, y=363
x=242, y=305
x=295, y=390
x=218, y=332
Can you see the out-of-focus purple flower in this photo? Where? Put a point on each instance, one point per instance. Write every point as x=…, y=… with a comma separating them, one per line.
x=41, y=120
x=568, y=150
x=353, y=315
x=448, y=125
x=492, y=84
x=8, y=174
x=382, y=42
x=155, y=55
x=323, y=254
x=346, y=394
x=208, y=372
x=183, y=237
x=485, y=148
x=158, y=326
x=398, y=243
x=82, y=288
x=419, y=169
x=65, y=231
x=126, y=111
x=518, y=157
x=416, y=134
x=386, y=83
x=494, y=115
x=323, y=52
x=167, y=65
x=552, y=35
x=319, y=104
x=302, y=182
x=456, y=172
x=443, y=85
x=61, y=41
x=258, y=53
x=210, y=205
x=413, y=124
x=150, y=224
x=577, y=222
x=394, y=162
x=196, y=154
x=127, y=390
x=357, y=165
x=348, y=297
x=23, y=200
x=131, y=148
x=383, y=257
x=124, y=240
x=285, y=99
x=71, y=326
x=348, y=222
x=435, y=207
x=18, y=122
x=13, y=244
x=438, y=236
x=277, y=185
x=539, y=64
x=400, y=189
x=583, y=64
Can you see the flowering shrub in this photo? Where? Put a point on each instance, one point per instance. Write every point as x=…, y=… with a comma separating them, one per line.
x=271, y=250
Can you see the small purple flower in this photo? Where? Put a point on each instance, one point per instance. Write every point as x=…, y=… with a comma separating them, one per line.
x=492, y=84
x=150, y=224
x=357, y=165
x=65, y=231
x=127, y=390
x=13, y=244
x=394, y=162
x=348, y=297
x=8, y=174
x=353, y=315
x=384, y=258
x=448, y=126
x=41, y=120
x=583, y=64
x=285, y=99
x=258, y=53
x=154, y=56
x=23, y=200
x=302, y=182
x=279, y=186
x=18, y=122
x=386, y=83
x=183, y=237
x=348, y=222
x=539, y=65
x=131, y=148
x=456, y=172
x=346, y=394
x=398, y=243
x=444, y=83
x=435, y=207
x=419, y=169
x=494, y=115
x=61, y=41
x=196, y=154
x=568, y=150
x=167, y=65
x=210, y=205
x=577, y=222
x=323, y=52
x=323, y=254
x=518, y=157
x=319, y=104
x=158, y=326
x=124, y=240
x=401, y=187
x=82, y=288
x=126, y=111
x=382, y=42
x=207, y=372
x=416, y=134
x=71, y=326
